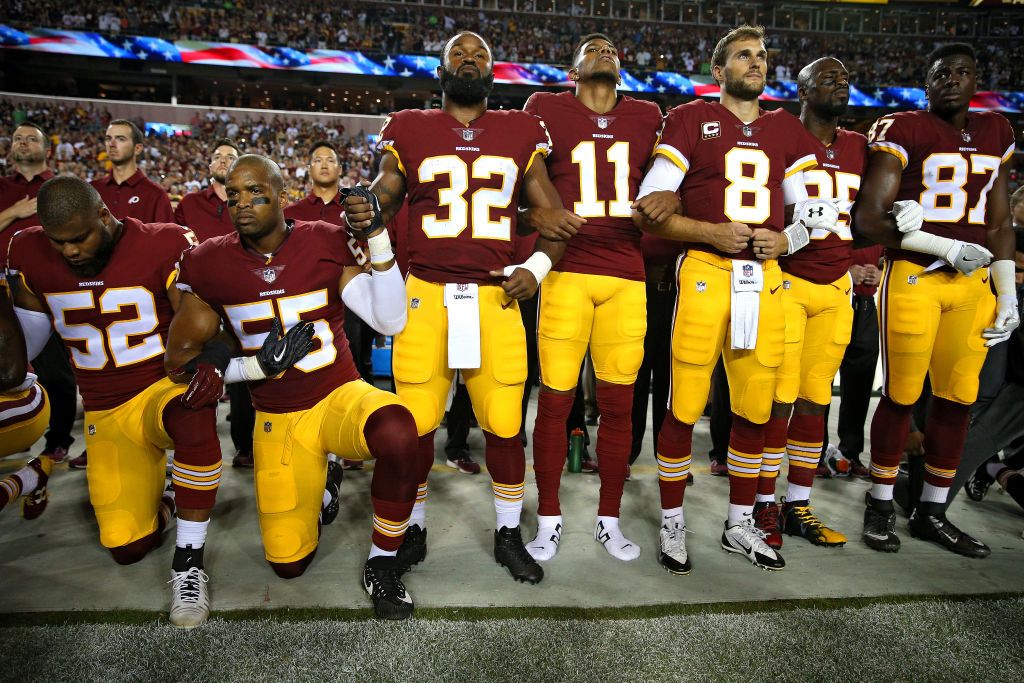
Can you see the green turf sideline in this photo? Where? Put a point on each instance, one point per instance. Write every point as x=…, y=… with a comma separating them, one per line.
x=140, y=617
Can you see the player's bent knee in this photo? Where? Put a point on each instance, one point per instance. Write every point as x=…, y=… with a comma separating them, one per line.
x=131, y=553
x=391, y=431
x=187, y=427
x=118, y=528
x=283, y=539
x=292, y=570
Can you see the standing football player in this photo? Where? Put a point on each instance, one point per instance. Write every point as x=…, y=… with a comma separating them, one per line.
x=275, y=275
x=949, y=169
x=463, y=168
x=107, y=287
x=596, y=295
x=816, y=289
x=736, y=168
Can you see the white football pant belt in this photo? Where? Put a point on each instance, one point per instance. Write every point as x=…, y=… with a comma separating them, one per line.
x=463, y=306
x=747, y=283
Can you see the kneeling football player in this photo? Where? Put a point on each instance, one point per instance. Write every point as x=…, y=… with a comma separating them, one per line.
x=270, y=275
x=107, y=287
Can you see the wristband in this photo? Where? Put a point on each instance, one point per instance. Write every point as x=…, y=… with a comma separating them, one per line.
x=380, y=247
x=538, y=264
x=1003, y=278
x=797, y=236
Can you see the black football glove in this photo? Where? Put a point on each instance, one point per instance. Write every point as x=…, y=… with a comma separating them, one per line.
x=280, y=353
x=371, y=199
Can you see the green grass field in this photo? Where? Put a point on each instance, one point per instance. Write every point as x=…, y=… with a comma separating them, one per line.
x=893, y=639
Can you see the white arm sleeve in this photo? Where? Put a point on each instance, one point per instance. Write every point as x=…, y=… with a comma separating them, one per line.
x=663, y=176
x=37, y=329
x=379, y=299
x=794, y=189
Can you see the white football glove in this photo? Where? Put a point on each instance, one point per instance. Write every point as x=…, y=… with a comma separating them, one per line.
x=967, y=257
x=1007, y=320
x=818, y=214
x=909, y=215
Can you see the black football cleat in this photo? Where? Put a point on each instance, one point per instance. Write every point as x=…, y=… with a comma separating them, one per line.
x=929, y=523
x=383, y=583
x=335, y=475
x=880, y=525
x=979, y=483
x=413, y=549
x=510, y=552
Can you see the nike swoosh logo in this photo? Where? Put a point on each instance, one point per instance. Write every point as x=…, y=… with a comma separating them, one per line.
x=775, y=289
x=984, y=279
x=279, y=356
x=846, y=291
x=969, y=260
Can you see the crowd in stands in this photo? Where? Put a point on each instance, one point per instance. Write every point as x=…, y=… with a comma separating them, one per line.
x=180, y=164
x=520, y=36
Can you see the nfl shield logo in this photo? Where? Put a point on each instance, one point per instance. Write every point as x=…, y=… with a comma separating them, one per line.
x=269, y=275
x=965, y=135
x=414, y=303
x=786, y=284
x=912, y=280
x=468, y=134
x=748, y=270
x=701, y=285
x=92, y=430
x=830, y=154
x=748, y=131
x=462, y=287
x=602, y=122
x=267, y=426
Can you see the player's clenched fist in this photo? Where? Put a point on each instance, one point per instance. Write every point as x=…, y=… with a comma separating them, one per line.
x=730, y=238
x=556, y=225
x=362, y=212
x=657, y=206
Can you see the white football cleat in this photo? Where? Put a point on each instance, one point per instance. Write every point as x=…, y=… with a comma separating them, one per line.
x=190, y=598
x=747, y=540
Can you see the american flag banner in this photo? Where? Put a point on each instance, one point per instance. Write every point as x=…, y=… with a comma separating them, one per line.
x=145, y=48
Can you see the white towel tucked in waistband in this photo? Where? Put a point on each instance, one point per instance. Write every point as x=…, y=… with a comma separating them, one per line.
x=747, y=283
x=463, y=304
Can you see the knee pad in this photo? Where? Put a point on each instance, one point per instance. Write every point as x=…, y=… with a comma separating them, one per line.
x=503, y=410
x=753, y=400
x=284, y=538
x=424, y=408
x=118, y=528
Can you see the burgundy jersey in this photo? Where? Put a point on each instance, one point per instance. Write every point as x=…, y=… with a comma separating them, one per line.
x=597, y=162
x=866, y=256
x=734, y=171
x=659, y=251
x=115, y=323
x=948, y=171
x=462, y=186
x=299, y=282
x=312, y=208
x=137, y=197
x=205, y=214
x=840, y=166
x=14, y=188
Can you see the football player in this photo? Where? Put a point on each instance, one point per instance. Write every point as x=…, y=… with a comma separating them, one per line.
x=107, y=287
x=24, y=414
x=948, y=170
x=816, y=288
x=463, y=168
x=596, y=295
x=275, y=276
x=736, y=168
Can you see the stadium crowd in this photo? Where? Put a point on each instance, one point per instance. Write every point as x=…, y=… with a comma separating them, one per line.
x=517, y=37
x=180, y=164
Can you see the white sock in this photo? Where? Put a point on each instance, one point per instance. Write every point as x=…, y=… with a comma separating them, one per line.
x=191, y=533
x=881, y=491
x=764, y=498
x=933, y=494
x=797, y=492
x=419, y=515
x=549, y=532
x=739, y=513
x=507, y=513
x=331, y=457
x=377, y=552
x=618, y=546
x=673, y=516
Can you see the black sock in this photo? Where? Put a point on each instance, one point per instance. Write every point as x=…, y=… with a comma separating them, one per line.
x=186, y=558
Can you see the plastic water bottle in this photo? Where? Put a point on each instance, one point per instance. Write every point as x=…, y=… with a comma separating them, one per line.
x=576, y=446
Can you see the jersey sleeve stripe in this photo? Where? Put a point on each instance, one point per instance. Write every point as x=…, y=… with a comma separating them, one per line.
x=802, y=164
x=891, y=148
x=171, y=277
x=673, y=155
x=1009, y=152
x=401, y=166
x=543, y=151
